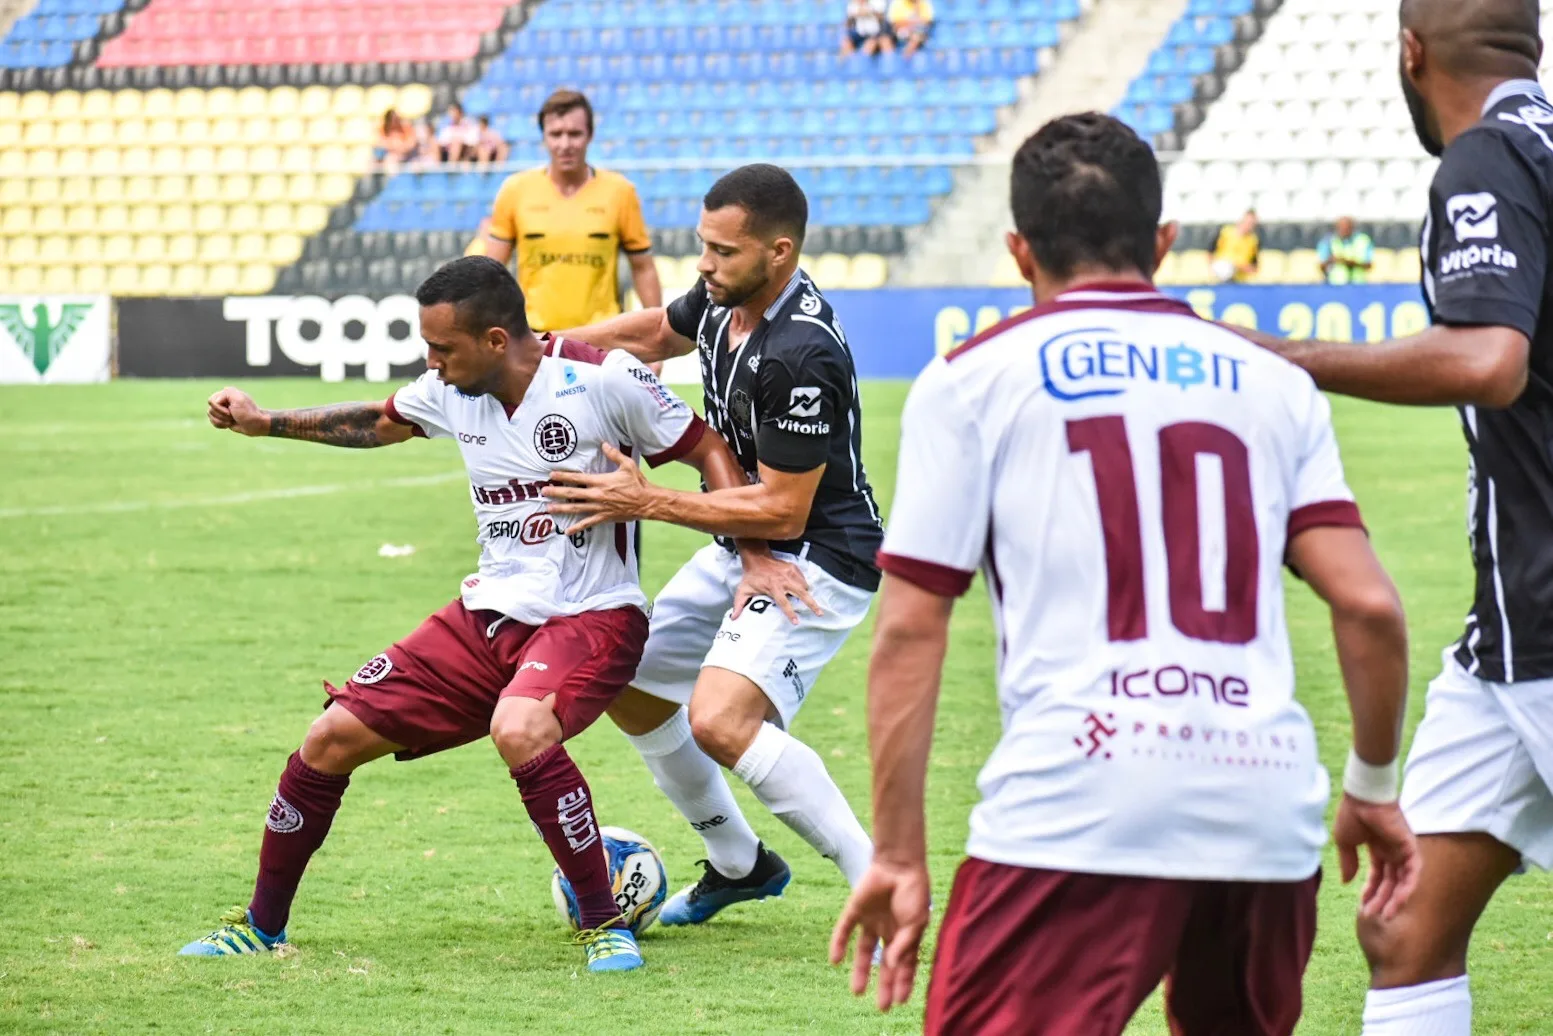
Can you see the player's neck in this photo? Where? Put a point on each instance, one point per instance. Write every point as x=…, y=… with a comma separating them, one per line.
x=570, y=182
x=1045, y=288
x=518, y=374
x=752, y=310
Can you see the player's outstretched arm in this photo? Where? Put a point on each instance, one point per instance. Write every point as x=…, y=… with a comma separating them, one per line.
x=890, y=904
x=644, y=333
x=354, y=425
x=1371, y=634
x=1443, y=366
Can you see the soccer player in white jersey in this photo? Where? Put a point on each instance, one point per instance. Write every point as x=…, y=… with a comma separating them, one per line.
x=1131, y=480
x=544, y=636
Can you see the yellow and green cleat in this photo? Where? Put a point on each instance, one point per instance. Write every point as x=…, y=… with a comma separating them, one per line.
x=610, y=949
x=237, y=935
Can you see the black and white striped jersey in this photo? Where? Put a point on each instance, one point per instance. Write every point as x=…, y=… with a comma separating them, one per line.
x=787, y=397
x=1486, y=263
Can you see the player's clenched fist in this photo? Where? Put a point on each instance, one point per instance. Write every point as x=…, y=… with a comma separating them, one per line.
x=235, y=409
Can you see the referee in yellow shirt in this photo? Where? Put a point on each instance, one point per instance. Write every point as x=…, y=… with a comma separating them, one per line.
x=569, y=222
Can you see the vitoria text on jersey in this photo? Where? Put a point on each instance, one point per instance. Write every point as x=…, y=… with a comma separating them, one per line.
x=581, y=397
x=787, y=397
x=1127, y=477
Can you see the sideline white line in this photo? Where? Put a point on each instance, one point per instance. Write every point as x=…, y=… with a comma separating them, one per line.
x=122, y=506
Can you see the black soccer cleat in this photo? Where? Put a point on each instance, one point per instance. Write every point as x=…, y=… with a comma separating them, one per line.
x=699, y=903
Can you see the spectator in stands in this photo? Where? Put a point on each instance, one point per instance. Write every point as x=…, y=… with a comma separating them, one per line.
x=569, y=224
x=427, y=150
x=459, y=136
x=1346, y=254
x=911, y=22
x=866, y=29
x=395, y=141
x=489, y=146
x=1236, y=252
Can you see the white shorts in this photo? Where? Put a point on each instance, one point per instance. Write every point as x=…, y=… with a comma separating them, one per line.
x=1482, y=760
x=691, y=627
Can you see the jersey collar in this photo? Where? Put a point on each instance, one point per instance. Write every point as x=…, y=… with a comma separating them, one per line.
x=1510, y=88
x=793, y=284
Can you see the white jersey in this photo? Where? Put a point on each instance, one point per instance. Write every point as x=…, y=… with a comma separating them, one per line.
x=1127, y=475
x=581, y=397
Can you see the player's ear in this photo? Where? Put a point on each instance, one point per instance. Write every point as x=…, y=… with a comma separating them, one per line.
x=1019, y=248
x=1413, y=54
x=783, y=249
x=1164, y=241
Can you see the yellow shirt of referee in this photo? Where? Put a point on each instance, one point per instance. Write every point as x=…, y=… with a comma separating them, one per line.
x=569, y=223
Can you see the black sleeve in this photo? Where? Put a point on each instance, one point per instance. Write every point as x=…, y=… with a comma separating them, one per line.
x=800, y=395
x=685, y=312
x=1489, y=258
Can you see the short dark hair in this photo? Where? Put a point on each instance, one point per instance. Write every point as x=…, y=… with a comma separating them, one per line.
x=483, y=294
x=768, y=194
x=563, y=101
x=1086, y=190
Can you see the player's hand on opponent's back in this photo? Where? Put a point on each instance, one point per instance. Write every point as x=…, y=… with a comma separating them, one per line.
x=235, y=409
x=1394, y=859
x=889, y=906
x=771, y=577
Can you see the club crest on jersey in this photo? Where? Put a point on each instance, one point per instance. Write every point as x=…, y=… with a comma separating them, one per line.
x=810, y=304
x=742, y=409
x=374, y=670
x=284, y=818
x=1092, y=362
x=555, y=438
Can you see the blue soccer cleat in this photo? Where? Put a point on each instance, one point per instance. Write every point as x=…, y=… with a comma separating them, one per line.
x=237, y=935
x=699, y=903
x=610, y=949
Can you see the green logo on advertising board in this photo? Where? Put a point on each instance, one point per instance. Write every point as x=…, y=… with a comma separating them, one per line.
x=44, y=340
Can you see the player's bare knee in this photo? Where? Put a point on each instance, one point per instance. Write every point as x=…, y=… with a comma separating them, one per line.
x=722, y=733
x=522, y=734
x=333, y=743
x=1401, y=952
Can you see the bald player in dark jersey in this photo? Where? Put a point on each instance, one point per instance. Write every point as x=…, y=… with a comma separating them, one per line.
x=1477, y=785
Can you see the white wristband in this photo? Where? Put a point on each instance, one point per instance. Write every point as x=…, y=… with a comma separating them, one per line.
x=1369, y=783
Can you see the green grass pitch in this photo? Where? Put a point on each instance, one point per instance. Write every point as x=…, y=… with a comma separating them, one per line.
x=171, y=598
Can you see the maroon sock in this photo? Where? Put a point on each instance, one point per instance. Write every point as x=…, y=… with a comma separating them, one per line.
x=304, y=807
x=561, y=806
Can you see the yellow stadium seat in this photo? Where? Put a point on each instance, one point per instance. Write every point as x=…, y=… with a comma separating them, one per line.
x=150, y=248
x=74, y=161
x=210, y=218
x=249, y=248
x=13, y=190
x=136, y=159
x=17, y=219
x=1303, y=267
x=34, y=106
x=54, y=250
x=302, y=187
x=1004, y=273
x=145, y=216
x=252, y=100
x=26, y=280
x=236, y=187
x=414, y=100
x=220, y=102
x=1382, y=262
x=1272, y=267
x=182, y=248
x=69, y=134
x=169, y=160
x=6, y=277
x=348, y=100
x=193, y=131
x=11, y=102
x=101, y=133
x=75, y=189
x=869, y=271
x=10, y=134
x=22, y=250
x=1194, y=267
x=279, y=102
x=42, y=163
x=215, y=248
x=91, y=278
x=227, y=129
x=44, y=190
x=334, y=188
x=59, y=279
x=277, y=218
x=65, y=105
x=128, y=104
x=189, y=103
x=1408, y=266
x=284, y=249
x=222, y=279
x=172, y=190
x=156, y=279
x=358, y=159
x=124, y=279
x=287, y=130
x=105, y=161
x=162, y=130
x=310, y=219
x=189, y=279
x=831, y=270
x=257, y=129
x=296, y=158
x=113, y=219
x=178, y=219
x=117, y=248
x=128, y=131
x=1166, y=274
x=233, y=158
x=107, y=189
x=359, y=130
x=159, y=103
x=314, y=100
x=332, y=158
x=269, y=187
x=38, y=134
x=13, y=161
x=81, y=219
x=668, y=270
x=256, y=279
x=377, y=99
x=139, y=190
x=204, y=187
x=95, y=104
x=48, y=219
x=85, y=248
x=199, y=159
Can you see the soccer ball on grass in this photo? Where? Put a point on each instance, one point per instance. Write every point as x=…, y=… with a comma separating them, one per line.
x=635, y=872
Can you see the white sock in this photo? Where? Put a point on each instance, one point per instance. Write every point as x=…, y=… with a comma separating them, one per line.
x=695, y=784
x=1441, y=1008
x=789, y=777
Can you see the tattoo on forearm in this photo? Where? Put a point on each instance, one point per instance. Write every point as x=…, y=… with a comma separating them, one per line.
x=352, y=425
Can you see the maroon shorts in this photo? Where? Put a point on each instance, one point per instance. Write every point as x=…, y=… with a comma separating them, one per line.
x=438, y=688
x=1055, y=953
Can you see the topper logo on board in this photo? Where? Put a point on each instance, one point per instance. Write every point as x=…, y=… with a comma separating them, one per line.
x=352, y=331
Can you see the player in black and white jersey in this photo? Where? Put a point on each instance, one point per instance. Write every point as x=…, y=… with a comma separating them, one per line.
x=742, y=631
x=1478, y=778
